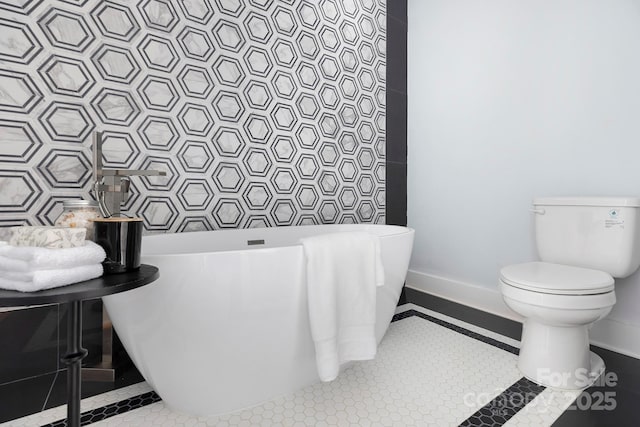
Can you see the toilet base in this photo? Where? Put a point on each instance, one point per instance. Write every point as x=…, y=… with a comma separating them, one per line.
x=558, y=356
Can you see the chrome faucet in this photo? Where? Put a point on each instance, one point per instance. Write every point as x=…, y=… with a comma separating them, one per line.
x=111, y=186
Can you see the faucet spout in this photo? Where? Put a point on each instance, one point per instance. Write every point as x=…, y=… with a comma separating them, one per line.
x=111, y=186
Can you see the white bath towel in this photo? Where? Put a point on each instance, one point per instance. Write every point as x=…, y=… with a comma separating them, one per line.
x=343, y=270
x=47, y=279
x=29, y=259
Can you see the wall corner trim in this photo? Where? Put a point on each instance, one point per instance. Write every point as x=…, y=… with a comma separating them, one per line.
x=607, y=333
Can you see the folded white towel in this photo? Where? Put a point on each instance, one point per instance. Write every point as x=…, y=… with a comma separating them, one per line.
x=47, y=279
x=28, y=259
x=343, y=270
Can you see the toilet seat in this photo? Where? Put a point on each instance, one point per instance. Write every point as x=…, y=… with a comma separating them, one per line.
x=556, y=279
x=558, y=301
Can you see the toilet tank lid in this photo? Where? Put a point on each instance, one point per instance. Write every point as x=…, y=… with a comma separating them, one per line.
x=545, y=277
x=633, y=202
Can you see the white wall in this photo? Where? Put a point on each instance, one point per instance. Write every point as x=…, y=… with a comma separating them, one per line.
x=509, y=100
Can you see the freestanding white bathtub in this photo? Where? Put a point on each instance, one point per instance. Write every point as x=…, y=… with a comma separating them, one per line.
x=226, y=326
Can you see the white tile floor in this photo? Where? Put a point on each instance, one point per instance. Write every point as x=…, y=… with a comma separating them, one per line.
x=424, y=374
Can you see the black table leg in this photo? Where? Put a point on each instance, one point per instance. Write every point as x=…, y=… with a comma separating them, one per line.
x=73, y=360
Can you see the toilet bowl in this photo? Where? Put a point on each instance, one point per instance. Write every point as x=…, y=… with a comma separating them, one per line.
x=559, y=304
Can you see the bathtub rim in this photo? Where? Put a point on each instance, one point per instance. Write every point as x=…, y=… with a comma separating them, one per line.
x=401, y=230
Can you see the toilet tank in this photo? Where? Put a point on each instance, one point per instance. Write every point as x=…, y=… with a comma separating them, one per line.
x=601, y=233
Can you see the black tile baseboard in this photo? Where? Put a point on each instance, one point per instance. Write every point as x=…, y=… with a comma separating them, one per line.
x=507, y=327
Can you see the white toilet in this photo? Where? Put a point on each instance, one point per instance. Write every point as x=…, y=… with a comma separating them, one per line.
x=582, y=242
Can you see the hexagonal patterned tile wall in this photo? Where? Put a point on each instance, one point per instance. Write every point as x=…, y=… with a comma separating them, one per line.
x=262, y=112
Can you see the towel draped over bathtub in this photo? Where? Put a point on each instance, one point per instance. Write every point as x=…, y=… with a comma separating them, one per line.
x=343, y=271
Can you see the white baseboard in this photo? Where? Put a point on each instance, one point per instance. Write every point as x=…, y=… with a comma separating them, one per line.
x=607, y=333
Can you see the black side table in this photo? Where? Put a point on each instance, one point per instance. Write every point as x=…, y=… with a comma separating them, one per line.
x=73, y=295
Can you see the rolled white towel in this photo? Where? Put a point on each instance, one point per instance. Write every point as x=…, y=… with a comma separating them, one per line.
x=47, y=279
x=30, y=259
